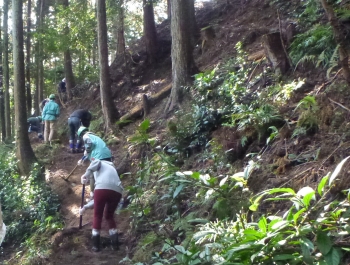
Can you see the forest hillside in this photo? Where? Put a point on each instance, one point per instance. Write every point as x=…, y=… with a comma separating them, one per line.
x=251, y=167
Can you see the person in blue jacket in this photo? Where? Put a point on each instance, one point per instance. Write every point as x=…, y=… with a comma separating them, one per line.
x=95, y=149
x=50, y=114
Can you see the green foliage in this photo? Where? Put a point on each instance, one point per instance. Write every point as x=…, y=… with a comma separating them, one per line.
x=308, y=118
x=141, y=136
x=280, y=93
x=191, y=129
x=227, y=85
x=316, y=45
x=247, y=117
x=305, y=233
x=26, y=202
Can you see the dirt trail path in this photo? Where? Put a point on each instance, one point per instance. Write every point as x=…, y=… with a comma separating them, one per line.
x=73, y=245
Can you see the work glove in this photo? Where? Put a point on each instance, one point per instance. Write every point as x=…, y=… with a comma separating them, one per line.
x=82, y=160
x=91, y=195
x=84, y=179
x=85, y=153
x=82, y=210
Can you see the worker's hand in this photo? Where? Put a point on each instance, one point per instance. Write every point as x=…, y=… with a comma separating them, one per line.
x=82, y=160
x=82, y=210
x=84, y=179
x=91, y=195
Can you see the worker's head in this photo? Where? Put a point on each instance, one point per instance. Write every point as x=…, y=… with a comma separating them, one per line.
x=81, y=131
x=52, y=96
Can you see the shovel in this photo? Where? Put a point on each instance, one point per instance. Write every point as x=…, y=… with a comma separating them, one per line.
x=82, y=205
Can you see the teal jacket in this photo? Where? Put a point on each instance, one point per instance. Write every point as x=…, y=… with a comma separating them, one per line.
x=95, y=147
x=51, y=111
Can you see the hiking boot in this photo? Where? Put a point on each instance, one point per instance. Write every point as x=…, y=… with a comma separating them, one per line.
x=96, y=243
x=114, y=241
x=72, y=150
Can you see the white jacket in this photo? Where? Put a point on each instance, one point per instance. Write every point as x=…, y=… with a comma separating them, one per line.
x=105, y=175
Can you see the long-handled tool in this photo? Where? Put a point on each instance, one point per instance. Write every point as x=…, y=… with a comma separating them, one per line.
x=70, y=174
x=82, y=205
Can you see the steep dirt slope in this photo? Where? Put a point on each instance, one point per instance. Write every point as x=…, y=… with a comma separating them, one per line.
x=246, y=21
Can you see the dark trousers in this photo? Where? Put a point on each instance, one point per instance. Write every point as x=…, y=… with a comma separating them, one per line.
x=74, y=124
x=105, y=201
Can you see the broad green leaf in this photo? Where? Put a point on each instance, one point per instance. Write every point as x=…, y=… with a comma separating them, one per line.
x=195, y=175
x=337, y=170
x=205, y=179
x=263, y=224
x=323, y=242
x=333, y=257
x=177, y=190
x=279, y=225
x=307, y=198
x=283, y=257
x=252, y=232
x=145, y=125
x=202, y=234
x=287, y=190
x=198, y=220
x=180, y=249
x=238, y=175
x=306, y=248
x=323, y=182
x=297, y=214
x=255, y=204
x=305, y=191
x=223, y=181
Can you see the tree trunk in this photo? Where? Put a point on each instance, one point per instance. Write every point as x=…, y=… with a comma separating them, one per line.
x=275, y=53
x=168, y=9
x=149, y=30
x=183, y=66
x=2, y=101
x=110, y=113
x=68, y=68
x=25, y=152
x=6, y=72
x=119, y=27
x=40, y=63
x=339, y=38
x=28, y=47
x=194, y=29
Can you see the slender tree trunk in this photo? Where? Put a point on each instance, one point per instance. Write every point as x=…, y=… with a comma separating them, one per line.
x=25, y=152
x=68, y=68
x=149, y=30
x=40, y=63
x=110, y=113
x=2, y=100
x=339, y=38
x=28, y=47
x=183, y=66
x=194, y=29
x=119, y=26
x=169, y=9
x=6, y=73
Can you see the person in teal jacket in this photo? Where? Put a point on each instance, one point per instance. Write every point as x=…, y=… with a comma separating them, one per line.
x=50, y=114
x=95, y=149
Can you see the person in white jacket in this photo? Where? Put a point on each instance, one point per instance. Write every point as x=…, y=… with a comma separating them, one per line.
x=107, y=194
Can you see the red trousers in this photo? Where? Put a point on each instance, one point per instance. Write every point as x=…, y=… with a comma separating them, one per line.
x=105, y=201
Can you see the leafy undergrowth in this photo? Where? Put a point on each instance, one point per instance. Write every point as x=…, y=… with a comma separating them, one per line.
x=237, y=175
